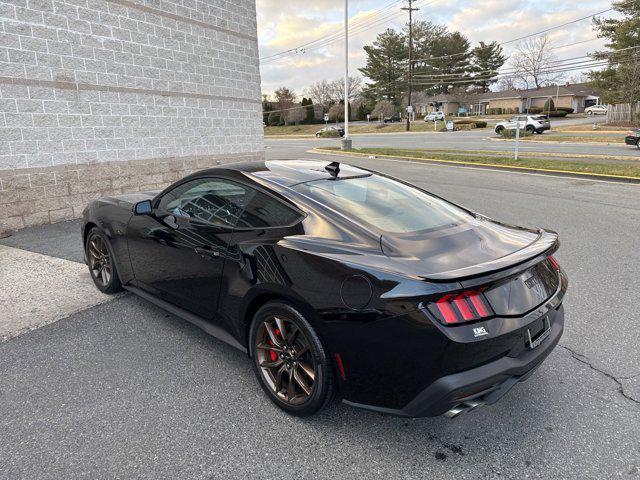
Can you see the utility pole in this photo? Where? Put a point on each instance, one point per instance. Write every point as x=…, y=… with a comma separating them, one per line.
x=346, y=141
x=410, y=9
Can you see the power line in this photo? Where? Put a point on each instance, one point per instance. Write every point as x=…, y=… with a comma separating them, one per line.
x=452, y=73
x=521, y=38
x=337, y=33
x=324, y=42
x=558, y=69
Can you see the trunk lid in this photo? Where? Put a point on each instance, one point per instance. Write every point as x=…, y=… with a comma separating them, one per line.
x=467, y=250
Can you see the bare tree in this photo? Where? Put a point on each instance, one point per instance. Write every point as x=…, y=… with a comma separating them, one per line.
x=285, y=98
x=336, y=112
x=508, y=82
x=384, y=108
x=337, y=88
x=532, y=61
x=295, y=114
x=321, y=94
x=285, y=101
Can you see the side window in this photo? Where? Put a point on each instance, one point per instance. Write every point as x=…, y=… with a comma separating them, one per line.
x=265, y=211
x=211, y=200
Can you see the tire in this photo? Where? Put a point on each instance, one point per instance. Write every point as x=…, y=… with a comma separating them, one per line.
x=590, y=112
x=638, y=144
x=296, y=357
x=499, y=130
x=530, y=128
x=539, y=132
x=101, y=263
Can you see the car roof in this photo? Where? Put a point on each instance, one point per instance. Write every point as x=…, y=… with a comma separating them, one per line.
x=287, y=172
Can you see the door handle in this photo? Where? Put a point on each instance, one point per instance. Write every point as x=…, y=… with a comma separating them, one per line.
x=207, y=252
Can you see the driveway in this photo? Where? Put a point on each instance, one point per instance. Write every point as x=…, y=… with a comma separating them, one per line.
x=124, y=390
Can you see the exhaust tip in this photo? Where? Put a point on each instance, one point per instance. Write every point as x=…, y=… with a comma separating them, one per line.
x=463, y=407
x=456, y=411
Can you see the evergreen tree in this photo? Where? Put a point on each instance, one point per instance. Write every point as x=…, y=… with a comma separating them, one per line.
x=442, y=58
x=487, y=60
x=307, y=104
x=619, y=81
x=386, y=67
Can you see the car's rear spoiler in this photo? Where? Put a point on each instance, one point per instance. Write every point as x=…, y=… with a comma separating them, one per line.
x=547, y=242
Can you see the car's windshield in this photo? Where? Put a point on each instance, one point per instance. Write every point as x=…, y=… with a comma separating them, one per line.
x=385, y=204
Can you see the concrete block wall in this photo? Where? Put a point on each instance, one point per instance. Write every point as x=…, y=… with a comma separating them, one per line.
x=108, y=96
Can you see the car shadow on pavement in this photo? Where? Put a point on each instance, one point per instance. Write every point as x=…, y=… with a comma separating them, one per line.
x=147, y=392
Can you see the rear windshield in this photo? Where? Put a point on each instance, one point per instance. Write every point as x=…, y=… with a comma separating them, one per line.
x=385, y=204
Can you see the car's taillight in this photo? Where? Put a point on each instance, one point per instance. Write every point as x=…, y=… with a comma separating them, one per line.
x=554, y=262
x=461, y=307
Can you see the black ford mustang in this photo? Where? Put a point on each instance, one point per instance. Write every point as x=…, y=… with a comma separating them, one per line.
x=336, y=278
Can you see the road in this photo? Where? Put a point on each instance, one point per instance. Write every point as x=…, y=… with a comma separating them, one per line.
x=125, y=390
x=464, y=140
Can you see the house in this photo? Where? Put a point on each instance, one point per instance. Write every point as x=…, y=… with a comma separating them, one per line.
x=576, y=96
x=132, y=96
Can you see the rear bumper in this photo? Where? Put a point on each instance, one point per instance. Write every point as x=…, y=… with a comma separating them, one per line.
x=630, y=140
x=487, y=383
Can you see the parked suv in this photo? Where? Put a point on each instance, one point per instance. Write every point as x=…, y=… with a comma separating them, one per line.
x=530, y=123
x=596, y=110
x=433, y=116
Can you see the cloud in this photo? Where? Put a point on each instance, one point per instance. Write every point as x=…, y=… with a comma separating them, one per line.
x=286, y=24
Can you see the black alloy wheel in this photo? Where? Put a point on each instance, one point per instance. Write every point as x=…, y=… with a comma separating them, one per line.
x=530, y=128
x=289, y=360
x=499, y=130
x=101, y=265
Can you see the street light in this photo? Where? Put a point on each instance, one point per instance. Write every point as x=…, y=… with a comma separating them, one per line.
x=346, y=141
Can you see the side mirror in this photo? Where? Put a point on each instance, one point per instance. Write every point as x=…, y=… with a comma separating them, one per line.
x=143, y=208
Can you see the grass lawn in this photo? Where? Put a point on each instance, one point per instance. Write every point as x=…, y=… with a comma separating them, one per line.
x=595, y=165
x=373, y=127
x=601, y=128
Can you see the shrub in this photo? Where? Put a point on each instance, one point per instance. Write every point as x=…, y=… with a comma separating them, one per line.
x=512, y=133
x=495, y=111
x=481, y=124
x=274, y=119
x=557, y=113
x=535, y=109
x=565, y=109
x=330, y=134
x=463, y=121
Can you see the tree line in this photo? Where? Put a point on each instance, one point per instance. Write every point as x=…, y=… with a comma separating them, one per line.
x=446, y=62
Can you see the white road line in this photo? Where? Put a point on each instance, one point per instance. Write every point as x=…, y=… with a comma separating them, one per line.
x=36, y=290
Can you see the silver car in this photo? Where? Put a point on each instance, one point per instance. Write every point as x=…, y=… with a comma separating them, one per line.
x=596, y=110
x=530, y=123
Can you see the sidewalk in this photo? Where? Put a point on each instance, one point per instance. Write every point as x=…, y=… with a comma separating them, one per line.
x=38, y=289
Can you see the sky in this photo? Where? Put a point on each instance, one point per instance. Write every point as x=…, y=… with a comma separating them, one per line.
x=288, y=24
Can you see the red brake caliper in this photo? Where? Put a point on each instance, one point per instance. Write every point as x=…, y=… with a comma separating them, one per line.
x=273, y=355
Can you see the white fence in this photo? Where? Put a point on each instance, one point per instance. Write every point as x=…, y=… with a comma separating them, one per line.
x=621, y=113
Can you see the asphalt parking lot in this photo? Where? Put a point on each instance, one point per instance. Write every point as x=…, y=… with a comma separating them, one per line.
x=122, y=389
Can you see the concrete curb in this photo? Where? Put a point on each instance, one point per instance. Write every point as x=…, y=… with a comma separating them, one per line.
x=492, y=166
